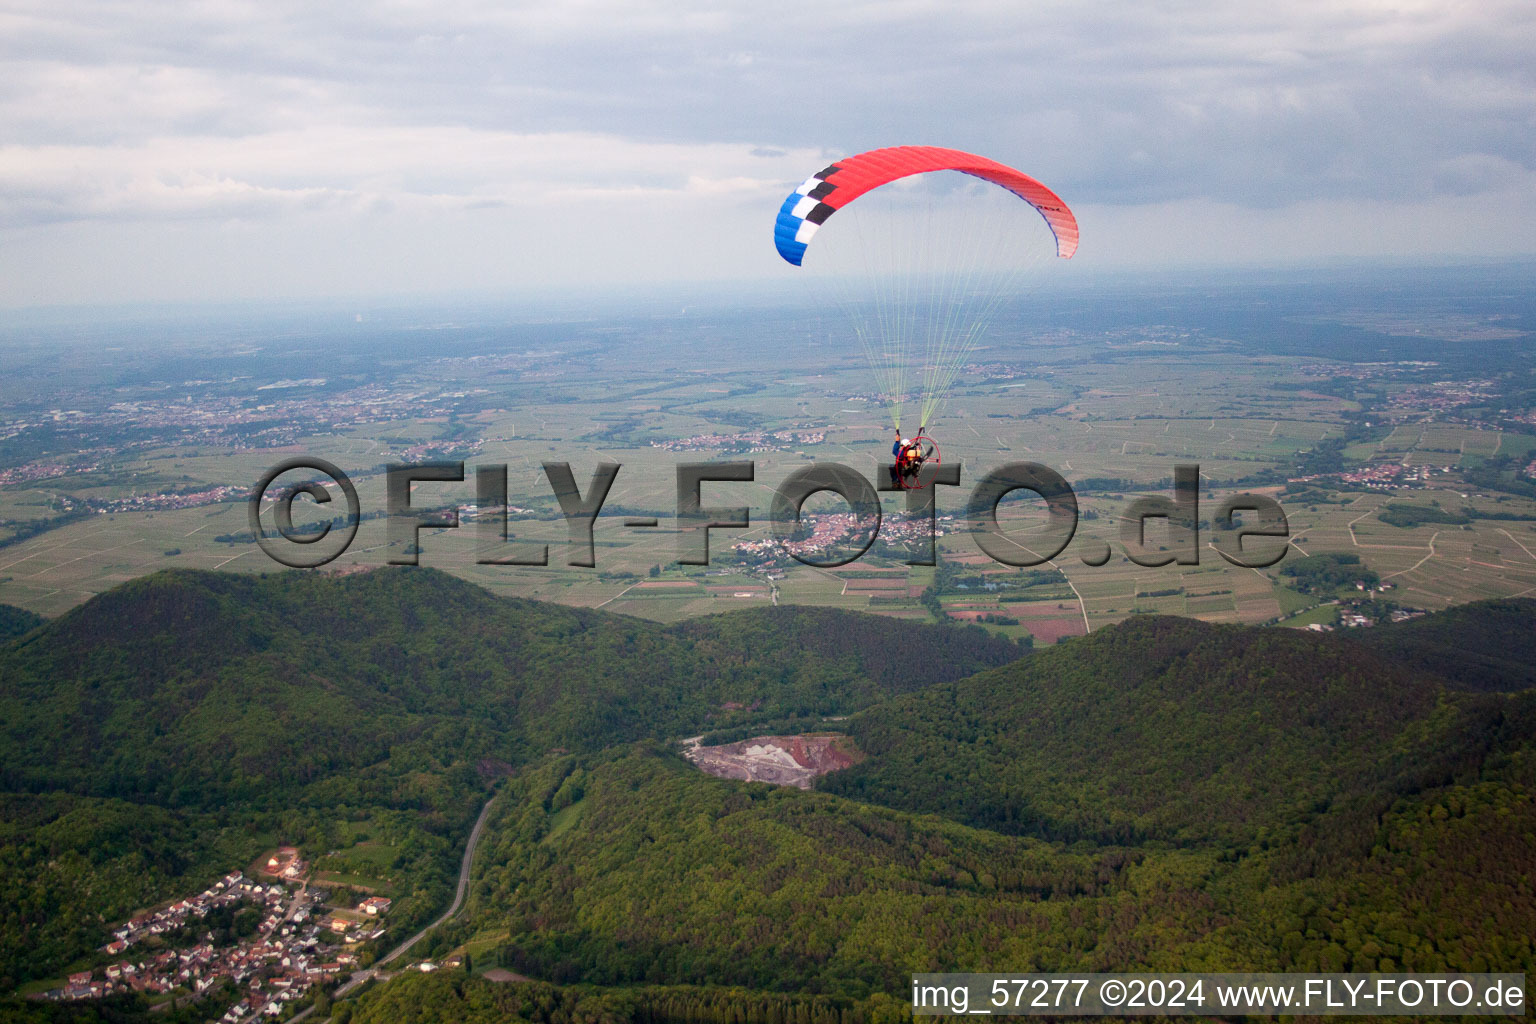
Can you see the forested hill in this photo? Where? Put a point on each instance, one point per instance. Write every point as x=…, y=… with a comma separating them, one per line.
x=196, y=688
x=1487, y=645
x=1162, y=794
x=159, y=734
x=1173, y=729
x=875, y=645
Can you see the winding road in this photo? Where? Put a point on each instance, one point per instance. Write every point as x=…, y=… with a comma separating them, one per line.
x=459, y=894
x=458, y=903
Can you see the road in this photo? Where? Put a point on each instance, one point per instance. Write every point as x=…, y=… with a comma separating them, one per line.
x=459, y=894
x=298, y=901
x=458, y=902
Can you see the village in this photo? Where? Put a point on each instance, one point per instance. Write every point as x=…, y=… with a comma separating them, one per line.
x=1380, y=476
x=827, y=531
x=298, y=941
x=747, y=441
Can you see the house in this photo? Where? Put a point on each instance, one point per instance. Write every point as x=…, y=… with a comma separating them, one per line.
x=374, y=905
x=338, y=924
x=80, y=978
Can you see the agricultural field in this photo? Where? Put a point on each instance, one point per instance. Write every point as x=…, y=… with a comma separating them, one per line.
x=1110, y=402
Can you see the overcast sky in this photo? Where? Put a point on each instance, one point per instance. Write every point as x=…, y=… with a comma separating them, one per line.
x=216, y=150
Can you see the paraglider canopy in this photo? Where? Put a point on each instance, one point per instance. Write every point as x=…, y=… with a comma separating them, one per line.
x=830, y=189
x=924, y=265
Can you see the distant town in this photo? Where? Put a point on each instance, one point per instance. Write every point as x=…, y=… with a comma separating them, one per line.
x=744, y=442
x=826, y=532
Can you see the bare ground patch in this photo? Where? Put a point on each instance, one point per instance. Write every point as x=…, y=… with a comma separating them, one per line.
x=780, y=760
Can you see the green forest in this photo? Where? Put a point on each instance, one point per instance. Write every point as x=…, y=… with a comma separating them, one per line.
x=16, y=621
x=171, y=729
x=1163, y=794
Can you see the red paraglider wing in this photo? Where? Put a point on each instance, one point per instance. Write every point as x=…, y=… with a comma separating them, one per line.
x=829, y=190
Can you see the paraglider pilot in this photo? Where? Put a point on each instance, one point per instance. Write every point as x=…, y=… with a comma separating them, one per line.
x=909, y=456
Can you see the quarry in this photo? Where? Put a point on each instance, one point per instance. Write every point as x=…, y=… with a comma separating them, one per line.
x=779, y=760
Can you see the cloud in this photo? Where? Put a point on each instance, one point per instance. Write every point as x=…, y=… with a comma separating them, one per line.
x=348, y=167
x=289, y=113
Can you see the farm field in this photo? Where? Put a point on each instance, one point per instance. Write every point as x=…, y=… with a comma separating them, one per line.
x=1111, y=406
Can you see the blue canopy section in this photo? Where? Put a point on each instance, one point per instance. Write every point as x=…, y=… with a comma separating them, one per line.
x=787, y=227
